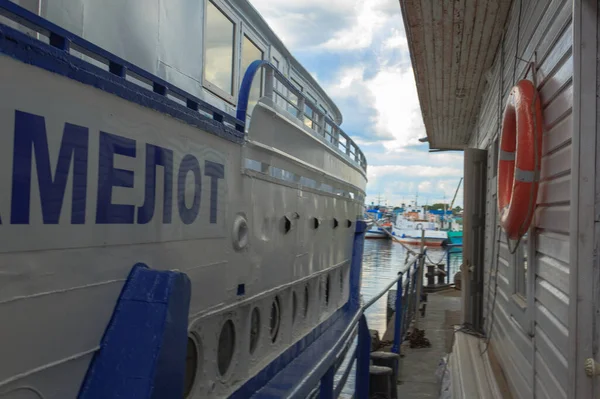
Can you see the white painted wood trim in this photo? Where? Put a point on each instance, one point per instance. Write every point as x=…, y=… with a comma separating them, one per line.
x=583, y=172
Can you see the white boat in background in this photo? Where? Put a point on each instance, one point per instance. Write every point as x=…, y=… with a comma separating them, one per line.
x=415, y=226
x=380, y=231
x=382, y=224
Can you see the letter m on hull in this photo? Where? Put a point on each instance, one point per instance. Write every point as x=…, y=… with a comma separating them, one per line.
x=31, y=143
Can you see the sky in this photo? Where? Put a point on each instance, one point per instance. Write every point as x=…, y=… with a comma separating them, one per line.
x=358, y=52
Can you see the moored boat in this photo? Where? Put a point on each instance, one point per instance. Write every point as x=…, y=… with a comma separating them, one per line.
x=415, y=227
x=382, y=226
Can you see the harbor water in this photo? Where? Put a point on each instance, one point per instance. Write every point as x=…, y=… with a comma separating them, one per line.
x=381, y=261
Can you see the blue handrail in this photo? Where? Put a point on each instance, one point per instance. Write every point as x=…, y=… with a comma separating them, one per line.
x=244, y=96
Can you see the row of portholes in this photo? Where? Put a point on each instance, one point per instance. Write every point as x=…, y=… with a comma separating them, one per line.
x=227, y=336
x=315, y=222
x=241, y=231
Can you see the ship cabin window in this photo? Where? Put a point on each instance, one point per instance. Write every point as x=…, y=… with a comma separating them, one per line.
x=342, y=142
x=309, y=117
x=323, y=110
x=298, y=85
x=328, y=131
x=219, y=58
x=250, y=53
x=281, y=93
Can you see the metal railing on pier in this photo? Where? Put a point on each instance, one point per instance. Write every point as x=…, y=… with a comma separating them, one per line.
x=408, y=286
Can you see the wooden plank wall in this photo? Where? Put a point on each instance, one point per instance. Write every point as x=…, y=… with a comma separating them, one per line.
x=531, y=337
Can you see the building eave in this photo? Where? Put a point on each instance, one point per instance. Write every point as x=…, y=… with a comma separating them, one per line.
x=452, y=45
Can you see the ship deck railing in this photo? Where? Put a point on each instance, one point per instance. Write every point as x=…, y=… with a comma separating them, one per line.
x=279, y=89
x=175, y=100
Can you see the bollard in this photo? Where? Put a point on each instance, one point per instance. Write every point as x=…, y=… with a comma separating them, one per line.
x=430, y=275
x=375, y=340
x=379, y=381
x=391, y=360
x=441, y=274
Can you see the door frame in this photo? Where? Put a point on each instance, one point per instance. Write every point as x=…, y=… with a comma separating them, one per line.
x=475, y=198
x=584, y=217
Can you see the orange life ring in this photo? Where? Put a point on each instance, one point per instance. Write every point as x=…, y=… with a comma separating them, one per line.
x=519, y=159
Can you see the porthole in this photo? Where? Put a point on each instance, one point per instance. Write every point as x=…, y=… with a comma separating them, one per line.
x=226, y=347
x=287, y=224
x=306, y=299
x=240, y=233
x=294, y=306
x=254, y=329
x=327, y=287
x=275, y=318
x=193, y=359
x=316, y=223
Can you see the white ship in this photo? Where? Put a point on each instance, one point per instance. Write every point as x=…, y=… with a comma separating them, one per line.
x=416, y=226
x=121, y=147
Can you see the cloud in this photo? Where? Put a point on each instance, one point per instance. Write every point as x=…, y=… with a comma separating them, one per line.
x=396, y=40
x=307, y=24
x=368, y=16
x=359, y=52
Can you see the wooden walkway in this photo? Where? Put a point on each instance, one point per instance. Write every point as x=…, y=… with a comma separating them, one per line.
x=417, y=378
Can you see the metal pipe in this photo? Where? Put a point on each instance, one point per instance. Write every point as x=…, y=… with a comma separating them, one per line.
x=326, y=387
x=398, y=319
x=363, y=360
x=448, y=267
x=420, y=277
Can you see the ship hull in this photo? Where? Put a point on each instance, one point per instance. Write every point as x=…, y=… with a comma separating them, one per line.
x=431, y=238
x=102, y=176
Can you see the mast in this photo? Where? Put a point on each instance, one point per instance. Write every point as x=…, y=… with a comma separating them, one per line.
x=456, y=192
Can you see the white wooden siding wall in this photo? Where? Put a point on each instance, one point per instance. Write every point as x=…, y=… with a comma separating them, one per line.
x=532, y=345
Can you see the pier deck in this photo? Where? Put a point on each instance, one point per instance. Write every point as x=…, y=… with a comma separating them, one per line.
x=417, y=375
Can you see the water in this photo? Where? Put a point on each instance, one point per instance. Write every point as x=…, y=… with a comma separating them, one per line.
x=381, y=261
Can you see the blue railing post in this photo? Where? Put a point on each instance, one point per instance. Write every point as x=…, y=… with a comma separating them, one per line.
x=448, y=265
x=413, y=291
x=363, y=359
x=326, y=387
x=356, y=263
x=407, y=277
x=398, y=319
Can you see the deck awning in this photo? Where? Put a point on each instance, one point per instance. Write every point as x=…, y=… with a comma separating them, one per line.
x=452, y=44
